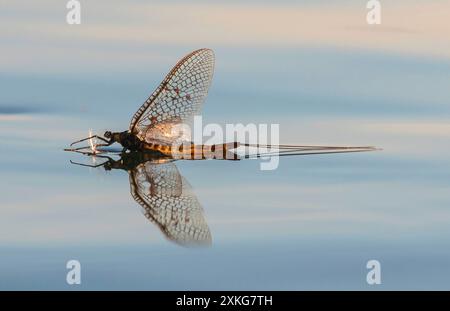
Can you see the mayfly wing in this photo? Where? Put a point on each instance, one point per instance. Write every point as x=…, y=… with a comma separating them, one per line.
x=176, y=100
x=168, y=201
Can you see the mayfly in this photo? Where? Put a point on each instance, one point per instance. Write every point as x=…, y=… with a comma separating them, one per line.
x=179, y=97
x=165, y=196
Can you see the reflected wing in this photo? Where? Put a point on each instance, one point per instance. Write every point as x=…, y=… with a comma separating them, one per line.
x=168, y=201
x=177, y=99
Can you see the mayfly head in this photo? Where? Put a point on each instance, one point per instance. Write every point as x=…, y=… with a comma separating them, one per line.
x=108, y=134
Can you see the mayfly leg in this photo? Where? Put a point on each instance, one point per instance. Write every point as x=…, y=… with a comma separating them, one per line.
x=92, y=154
x=78, y=149
x=103, y=145
x=91, y=137
x=88, y=165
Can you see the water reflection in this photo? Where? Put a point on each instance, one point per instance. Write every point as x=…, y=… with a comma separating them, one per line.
x=166, y=197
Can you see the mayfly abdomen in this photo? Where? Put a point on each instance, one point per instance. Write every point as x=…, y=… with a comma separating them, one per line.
x=164, y=149
x=203, y=152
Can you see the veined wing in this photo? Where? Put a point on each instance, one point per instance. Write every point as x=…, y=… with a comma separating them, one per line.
x=176, y=100
x=168, y=201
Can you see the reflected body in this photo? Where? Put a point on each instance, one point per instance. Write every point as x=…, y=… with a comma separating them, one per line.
x=165, y=196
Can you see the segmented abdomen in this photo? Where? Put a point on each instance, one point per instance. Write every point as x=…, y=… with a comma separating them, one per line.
x=197, y=152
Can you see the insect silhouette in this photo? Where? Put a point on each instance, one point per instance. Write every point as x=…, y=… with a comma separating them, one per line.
x=155, y=127
x=164, y=194
x=175, y=101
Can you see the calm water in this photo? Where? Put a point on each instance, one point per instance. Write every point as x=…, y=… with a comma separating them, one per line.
x=311, y=224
